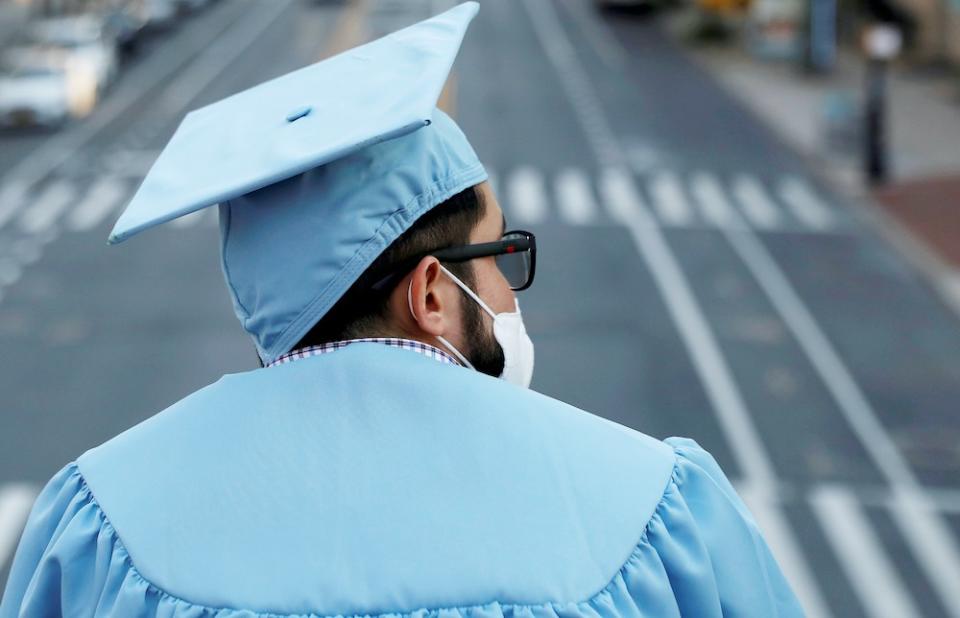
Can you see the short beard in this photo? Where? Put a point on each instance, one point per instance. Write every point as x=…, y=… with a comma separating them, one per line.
x=483, y=351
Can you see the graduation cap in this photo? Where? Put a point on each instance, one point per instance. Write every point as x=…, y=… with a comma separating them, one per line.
x=316, y=172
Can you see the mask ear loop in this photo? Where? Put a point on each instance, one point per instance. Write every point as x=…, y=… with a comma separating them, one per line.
x=460, y=357
x=468, y=292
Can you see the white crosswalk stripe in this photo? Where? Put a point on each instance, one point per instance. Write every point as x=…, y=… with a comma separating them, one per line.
x=43, y=212
x=103, y=198
x=575, y=200
x=804, y=203
x=526, y=196
x=866, y=565
x=785, y=549
x=756, y=204
x=15, y=502
x=12, y=197
x=932, y=543
x=669, y=199
x=712, y=200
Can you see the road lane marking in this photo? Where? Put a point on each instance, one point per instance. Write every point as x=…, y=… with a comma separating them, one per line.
x=804, y=204
x=220, y=55
x=856, y=410
x=576, y=83
x=626, y=206
x=711, y=198
x=103, y=198
x=42, y=212
x=865, y=564
x=669, y=200
x=12, y=196
x=622, y=198
x=756, y=204
x=10, y=271
x=931, y=542
x=62, y=147
x=575, y=201
x=526, y=196
x=603, y=42
x=767, y=513
x=134, y=163
x=15, y=503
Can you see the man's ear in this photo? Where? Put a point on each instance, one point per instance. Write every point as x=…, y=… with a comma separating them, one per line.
x=428, y=309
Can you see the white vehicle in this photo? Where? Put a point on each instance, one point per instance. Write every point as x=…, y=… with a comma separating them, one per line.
x=41, y=72
x=84, y=39
x=33, y=94
x=159, y=14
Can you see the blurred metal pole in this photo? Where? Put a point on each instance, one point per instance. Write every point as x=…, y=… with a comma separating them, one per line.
x=875, y=119
x=882, y=43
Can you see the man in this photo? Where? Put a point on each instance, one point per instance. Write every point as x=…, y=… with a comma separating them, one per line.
x=388, y=458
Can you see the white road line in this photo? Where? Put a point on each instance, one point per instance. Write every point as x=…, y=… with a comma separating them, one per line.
x=12, y=197
x=15, y=502
x=601, y=39
x=804, y=204
x=756, y=204
x=44, y=211
x=33, y=168
x=622, y=198
x=932, y=542
x=10, y=272
x=576, y=83
x=626, y=207
x=526, y=196
x=936, y=549
x=711, y=198
x=220, y=54
x=131, y=163
x=857, y=548
x=773, y=525
x=103, y=198
x=575, y=200
x=669, y=200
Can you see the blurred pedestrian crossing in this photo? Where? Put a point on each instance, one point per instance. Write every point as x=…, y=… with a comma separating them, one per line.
x=697, y=199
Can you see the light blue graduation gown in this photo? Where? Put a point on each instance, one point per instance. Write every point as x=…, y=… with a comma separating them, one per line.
x=375, y=481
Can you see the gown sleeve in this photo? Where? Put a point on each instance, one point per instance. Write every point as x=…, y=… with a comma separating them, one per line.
x=69, y=562
x=702, y=553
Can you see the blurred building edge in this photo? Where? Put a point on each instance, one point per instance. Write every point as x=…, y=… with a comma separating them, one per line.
x=778, y=29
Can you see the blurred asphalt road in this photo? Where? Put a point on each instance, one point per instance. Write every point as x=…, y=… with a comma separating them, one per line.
x=694, y=279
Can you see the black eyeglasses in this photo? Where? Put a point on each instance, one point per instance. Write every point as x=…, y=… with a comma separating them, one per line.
x=515, y=254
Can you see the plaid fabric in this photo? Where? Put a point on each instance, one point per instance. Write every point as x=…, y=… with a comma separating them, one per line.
x=395, y=342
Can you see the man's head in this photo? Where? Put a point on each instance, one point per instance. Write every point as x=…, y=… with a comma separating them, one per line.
x=437, y=307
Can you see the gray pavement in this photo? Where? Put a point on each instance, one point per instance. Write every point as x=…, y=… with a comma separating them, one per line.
x=695, y=279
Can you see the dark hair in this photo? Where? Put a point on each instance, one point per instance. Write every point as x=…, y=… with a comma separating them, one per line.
x=361, y=311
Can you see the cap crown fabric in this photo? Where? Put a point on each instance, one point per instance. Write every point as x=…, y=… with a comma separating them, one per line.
x=316, y=173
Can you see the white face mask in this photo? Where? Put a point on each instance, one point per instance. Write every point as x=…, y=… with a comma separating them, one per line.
x=508, y=330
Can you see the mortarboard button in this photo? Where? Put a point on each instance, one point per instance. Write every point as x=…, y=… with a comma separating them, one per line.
x=299, y=113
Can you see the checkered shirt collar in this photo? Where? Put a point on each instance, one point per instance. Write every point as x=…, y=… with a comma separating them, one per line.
x=395, y=342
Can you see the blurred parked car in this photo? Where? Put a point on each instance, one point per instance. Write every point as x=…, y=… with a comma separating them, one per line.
x=159, y=14
x=85, y=39
x=125, y=25
x=191, y=5
x=34, y=91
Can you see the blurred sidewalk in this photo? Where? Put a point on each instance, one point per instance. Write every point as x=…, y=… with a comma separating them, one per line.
x=919, y=208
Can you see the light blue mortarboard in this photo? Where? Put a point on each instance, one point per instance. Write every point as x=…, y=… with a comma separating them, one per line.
x=316, y=172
